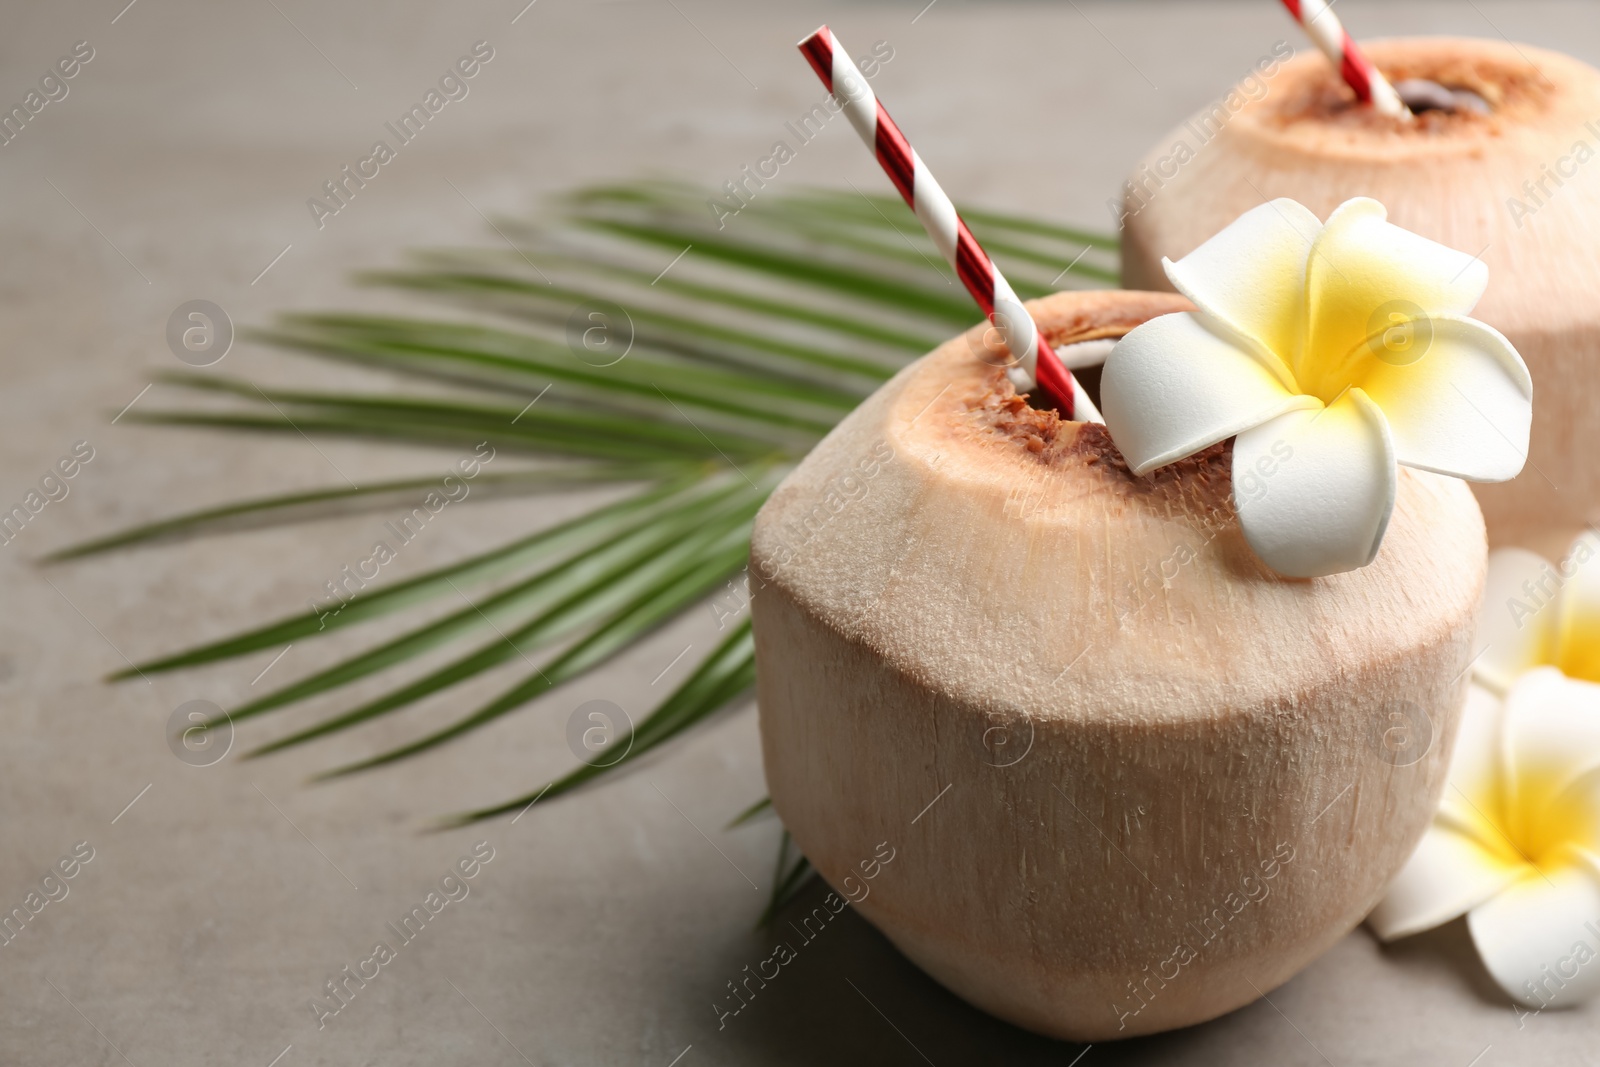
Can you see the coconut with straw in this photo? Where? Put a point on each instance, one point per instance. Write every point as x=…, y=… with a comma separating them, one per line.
x=1498, y=160
x=1132, y=775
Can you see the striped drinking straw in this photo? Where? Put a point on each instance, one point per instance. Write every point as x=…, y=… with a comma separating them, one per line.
x=1035, y=361
x=1324, y=29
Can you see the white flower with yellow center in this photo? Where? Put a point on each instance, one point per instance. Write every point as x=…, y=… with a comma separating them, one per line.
x=1515, y=845
x=1332, y=353
x=1537, y=613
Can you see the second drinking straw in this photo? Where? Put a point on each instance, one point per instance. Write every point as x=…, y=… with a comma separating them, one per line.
x=1316, y=17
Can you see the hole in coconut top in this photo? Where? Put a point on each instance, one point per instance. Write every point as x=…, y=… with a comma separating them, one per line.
x=1422, y=95
x=1200, y=484
x=1085, y=359
x=1447, y=93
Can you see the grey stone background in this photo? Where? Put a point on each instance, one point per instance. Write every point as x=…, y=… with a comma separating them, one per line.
x=605, y=927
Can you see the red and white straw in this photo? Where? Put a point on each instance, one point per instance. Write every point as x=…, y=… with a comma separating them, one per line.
x=1316, y=17
x=1035, y=361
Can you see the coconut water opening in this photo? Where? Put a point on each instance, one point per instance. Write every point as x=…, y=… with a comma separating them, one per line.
x=1086, y=359
x=1449, y=91
x=1423, y=95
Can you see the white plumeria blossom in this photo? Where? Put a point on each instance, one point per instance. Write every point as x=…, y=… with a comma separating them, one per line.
x=1515, y=845
x=1540, y=613
x=1331, y=353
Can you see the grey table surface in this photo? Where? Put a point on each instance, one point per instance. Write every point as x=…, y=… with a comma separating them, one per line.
x=219, y=900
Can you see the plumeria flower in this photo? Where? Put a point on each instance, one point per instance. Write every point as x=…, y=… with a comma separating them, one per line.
x=1331, y=353
x=1515, y=845
x=1539, y=613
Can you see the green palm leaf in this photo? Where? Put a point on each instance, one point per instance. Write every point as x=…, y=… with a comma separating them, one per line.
x=347, y=500
x=721, y=678
x=745, y=342
x=578, y=580
x=704, y=548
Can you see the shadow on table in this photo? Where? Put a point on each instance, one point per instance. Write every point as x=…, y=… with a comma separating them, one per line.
x=850, y=997
x=1448, y=947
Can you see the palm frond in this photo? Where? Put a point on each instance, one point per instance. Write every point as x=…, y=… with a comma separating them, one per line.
x=625, y=598
x=349, y=500
x=569, y=584
x=742, y=342
x=364, y=605
x=685, y=584
x=791, y=875
x=722, y=677
x=559, y=430
x=750, y=814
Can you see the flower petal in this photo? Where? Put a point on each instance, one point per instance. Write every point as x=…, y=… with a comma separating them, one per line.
x=1448, y=875
x=1458, y=398
x=1515, y=631
x=1314, y=489
x=1251, y=276
x=1172, y=387
x=1540, y=937
x=1577, y=640
x=1475, y=792
x=1552, y=750
x=1464, y=858
x=1363, y=271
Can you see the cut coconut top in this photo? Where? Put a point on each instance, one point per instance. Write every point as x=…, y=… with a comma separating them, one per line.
x=1044, y=575
x=1498, y=89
